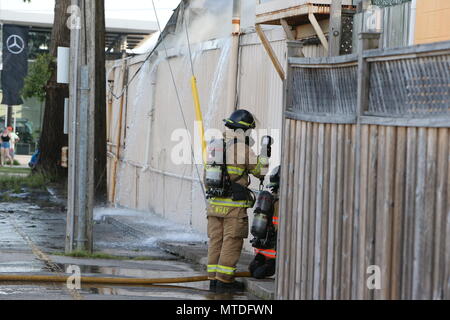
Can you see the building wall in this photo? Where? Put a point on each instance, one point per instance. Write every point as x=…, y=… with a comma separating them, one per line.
x=146, y=177
x=432, y=21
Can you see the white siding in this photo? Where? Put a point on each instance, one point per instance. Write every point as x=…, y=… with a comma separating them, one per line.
x=152, y=182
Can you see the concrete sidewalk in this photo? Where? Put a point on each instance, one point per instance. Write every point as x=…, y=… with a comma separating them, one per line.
x=23, y=160
x=142, y=226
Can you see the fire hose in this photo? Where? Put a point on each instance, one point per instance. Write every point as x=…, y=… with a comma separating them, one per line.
x=107, y=280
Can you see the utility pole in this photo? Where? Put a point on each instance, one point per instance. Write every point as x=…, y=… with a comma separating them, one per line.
x=9, y=115
x=231, y=95
x=87, y=83
x=335, y=28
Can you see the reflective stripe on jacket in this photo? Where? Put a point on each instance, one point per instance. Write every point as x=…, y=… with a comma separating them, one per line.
x=227, y=202
x=275, y=220
x=268, y=253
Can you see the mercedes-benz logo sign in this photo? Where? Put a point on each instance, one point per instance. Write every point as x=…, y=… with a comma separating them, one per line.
x=15, y=44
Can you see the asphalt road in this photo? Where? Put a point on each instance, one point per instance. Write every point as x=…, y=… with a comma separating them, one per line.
x=32, y=226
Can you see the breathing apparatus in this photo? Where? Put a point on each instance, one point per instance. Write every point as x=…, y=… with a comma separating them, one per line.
x=217, y=181
x=262, y=228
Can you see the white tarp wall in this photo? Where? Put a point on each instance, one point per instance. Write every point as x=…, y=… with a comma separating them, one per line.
x=148, y=114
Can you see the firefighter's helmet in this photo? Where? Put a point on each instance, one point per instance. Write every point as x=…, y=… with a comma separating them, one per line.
x=240, y=119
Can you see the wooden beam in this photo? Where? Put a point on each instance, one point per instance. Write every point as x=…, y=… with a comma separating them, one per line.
x=270, y=52
x=318, y=29
x=290, y=35
x=287, y=29
x=335, y=28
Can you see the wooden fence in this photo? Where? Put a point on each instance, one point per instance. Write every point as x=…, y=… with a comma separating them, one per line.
x=366, y=183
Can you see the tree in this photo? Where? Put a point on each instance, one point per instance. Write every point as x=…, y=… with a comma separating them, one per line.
x=38, y=77
x=38, y=44
x=100, y=162
x=52, y=138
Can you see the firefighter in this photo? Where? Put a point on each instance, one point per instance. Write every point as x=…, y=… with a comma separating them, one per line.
x=227, y=215
x=263, y=265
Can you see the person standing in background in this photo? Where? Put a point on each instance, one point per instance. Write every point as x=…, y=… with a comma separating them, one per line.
x=5, y=139
x=14, y=139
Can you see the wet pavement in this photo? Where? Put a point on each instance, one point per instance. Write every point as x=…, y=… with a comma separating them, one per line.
x=30, y=223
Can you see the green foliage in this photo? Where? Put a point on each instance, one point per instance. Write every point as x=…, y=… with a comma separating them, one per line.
x=16, y=183
x=38, y=44
x=38, y=76
x=87, y=255
x=15, y=163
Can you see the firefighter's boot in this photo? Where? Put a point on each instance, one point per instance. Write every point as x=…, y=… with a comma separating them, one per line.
x=223, y=287
x=212, y=285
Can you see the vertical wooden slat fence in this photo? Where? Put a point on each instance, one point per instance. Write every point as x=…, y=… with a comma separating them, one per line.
x=366, y=189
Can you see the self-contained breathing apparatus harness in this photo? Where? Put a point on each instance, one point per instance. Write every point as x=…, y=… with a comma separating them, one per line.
x=217, y=178
x=263, y=229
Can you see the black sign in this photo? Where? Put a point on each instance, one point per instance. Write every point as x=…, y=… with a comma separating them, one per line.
x=15, y=63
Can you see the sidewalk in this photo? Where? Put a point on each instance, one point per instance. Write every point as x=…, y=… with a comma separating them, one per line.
x=23, y=160
x=161, y=232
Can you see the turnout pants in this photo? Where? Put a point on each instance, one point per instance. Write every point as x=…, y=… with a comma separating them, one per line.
x=226, y=237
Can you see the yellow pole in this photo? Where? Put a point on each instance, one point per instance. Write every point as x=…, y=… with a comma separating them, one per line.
x=198, y=116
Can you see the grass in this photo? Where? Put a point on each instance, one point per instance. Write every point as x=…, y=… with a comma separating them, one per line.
x=15, y=163
x=14, y=170
x=10, y=183
x=87, y=255
x=16, y=183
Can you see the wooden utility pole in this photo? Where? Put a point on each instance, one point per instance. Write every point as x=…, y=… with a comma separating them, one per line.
x=52, y=139
x=9, y=115
x=335, y=28
x=87, y=120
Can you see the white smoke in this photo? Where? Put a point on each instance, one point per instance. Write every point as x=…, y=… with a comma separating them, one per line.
x=205, y=20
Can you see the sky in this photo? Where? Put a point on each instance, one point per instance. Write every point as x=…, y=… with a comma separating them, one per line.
x=123, y=9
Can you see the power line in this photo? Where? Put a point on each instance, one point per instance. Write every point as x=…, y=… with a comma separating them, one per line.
x=179, y=99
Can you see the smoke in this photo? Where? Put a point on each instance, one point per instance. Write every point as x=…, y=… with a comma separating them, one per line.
x=205, y=20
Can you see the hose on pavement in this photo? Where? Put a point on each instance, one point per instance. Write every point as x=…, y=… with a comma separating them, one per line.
x=108, y=280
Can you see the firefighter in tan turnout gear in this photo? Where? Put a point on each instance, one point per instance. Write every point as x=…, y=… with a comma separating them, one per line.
x=230, y=162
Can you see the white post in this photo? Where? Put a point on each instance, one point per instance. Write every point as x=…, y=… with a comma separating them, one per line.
x=412, y=23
